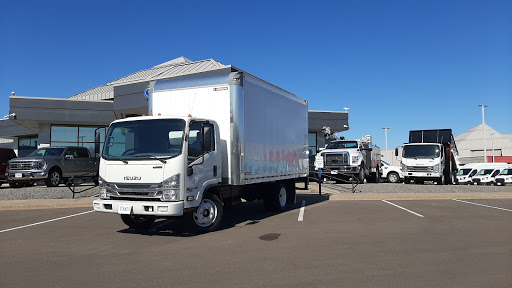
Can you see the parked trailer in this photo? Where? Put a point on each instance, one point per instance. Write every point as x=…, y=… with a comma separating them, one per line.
x=212, y=141
x=430, y=155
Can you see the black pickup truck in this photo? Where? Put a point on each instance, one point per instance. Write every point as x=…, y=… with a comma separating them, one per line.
x=53, y=165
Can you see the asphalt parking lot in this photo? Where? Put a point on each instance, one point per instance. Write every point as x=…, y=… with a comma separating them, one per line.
x=371, y=243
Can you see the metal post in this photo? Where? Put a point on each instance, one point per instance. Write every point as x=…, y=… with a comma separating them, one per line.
x=485, y=136
x=386, y=133
x=319, y=181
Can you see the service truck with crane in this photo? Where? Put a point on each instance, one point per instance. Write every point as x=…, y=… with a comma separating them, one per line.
x=209, y=141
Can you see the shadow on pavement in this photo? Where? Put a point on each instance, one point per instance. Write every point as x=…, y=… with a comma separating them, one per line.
x=244, y=214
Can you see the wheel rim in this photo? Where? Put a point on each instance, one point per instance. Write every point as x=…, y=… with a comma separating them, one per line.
x=55, y=178
x=206, y=213
x=392, y=178
x=282, y=196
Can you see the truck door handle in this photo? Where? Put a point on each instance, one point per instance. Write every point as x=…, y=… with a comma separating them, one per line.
x=214, y=170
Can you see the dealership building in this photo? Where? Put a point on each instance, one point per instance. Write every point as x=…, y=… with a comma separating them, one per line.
x=35, y=122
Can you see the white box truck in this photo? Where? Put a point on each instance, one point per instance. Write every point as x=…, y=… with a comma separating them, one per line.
x=211, y=141
x=430, y=155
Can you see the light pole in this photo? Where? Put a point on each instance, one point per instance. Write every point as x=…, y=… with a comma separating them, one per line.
x=386, y=133
x=483, y=122
x=492, y=145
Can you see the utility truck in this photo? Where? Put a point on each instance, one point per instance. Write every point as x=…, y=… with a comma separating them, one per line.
x=211, y=141
x=430, y=155
x=342, y=158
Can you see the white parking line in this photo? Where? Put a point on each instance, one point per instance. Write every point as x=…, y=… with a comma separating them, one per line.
x=483, y=205
x=38, y=223
x=403, y=208
x=301, y=212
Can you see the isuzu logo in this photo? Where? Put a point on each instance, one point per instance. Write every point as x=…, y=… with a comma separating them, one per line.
x=132, y=178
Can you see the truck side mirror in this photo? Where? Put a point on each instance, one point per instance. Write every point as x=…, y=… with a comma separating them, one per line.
x=69, y=157
x=396, y=152
x=97, y=143
x=190, y=171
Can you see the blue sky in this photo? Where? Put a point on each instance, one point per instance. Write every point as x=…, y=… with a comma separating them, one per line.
x=405, y=65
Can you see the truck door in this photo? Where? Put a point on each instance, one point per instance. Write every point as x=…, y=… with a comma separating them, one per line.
x=203, y=163
x=70, y=163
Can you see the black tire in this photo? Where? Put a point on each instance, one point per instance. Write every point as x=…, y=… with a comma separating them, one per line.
x=276, y=198
x=208, y=214
x=440, y=180
x=421, y=182
x=393, y=177
x=54, y=178
x=361, y=175
x=139, y=222
x=96, y=182
x=16, y=184
x=407, y=180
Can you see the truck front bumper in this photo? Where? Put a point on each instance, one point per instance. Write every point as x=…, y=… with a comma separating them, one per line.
x=24, y=176
x=342, y=169
x=422, y=175
x=150, y=208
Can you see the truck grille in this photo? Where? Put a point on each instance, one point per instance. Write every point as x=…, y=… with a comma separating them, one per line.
x=336, y=159
x=20, y=165
x=420, y=168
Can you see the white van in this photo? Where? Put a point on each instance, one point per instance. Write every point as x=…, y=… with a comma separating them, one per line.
x=466, y=173
x=505, y=177
x=486, y=175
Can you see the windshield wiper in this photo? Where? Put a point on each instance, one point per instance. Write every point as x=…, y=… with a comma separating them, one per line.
x=150, y=156
x=117, y=158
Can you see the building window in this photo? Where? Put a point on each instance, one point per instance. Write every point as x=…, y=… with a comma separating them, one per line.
x=312, y=144
x=27, y=145
x=76, y=136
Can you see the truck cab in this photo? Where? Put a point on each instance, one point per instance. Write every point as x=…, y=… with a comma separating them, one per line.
x=158, y=166
x=504, y=178
x=350, y=157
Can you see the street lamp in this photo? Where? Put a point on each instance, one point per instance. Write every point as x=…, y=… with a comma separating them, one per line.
x=386, y=133
x=483, y=122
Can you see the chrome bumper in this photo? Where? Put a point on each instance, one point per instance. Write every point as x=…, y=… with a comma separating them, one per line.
x=150, y=208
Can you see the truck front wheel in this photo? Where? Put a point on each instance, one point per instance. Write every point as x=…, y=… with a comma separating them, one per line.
x=361, y=175
x=208, y=215
x=54, y=177
x=137, y=221
x=393, y=177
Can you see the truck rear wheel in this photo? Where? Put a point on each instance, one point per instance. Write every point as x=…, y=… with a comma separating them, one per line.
x=137, y=221
x=276, y=199
x=208, y=214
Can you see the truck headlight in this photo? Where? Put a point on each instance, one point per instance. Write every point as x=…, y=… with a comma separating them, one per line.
x=436, y=168
x=171, y=188
x=39, y=165
x=103, y=188
x=404, y=167
x=355, y=159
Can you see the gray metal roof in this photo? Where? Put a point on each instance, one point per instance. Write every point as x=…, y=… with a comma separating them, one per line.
x=176, y=67
x=105, y=92
x=171, y=70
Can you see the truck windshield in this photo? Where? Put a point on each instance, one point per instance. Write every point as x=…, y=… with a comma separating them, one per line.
x=342, y=145
x=47, y=152
x=421, y=151
x=146, y=139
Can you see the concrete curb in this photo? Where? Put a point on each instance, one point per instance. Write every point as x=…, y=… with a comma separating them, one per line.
x=311, y=192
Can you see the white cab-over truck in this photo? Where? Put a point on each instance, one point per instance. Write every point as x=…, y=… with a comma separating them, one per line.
x=342, y=158
x=430, y=155
x=211, y=141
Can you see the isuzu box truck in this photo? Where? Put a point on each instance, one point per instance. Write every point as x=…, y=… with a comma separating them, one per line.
x=209, y=141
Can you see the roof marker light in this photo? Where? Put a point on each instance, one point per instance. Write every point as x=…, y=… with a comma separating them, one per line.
x=189, y=115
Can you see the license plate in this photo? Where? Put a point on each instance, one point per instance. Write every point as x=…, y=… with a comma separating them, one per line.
x=18, y=175
x=124, y=209
x=334, y=171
